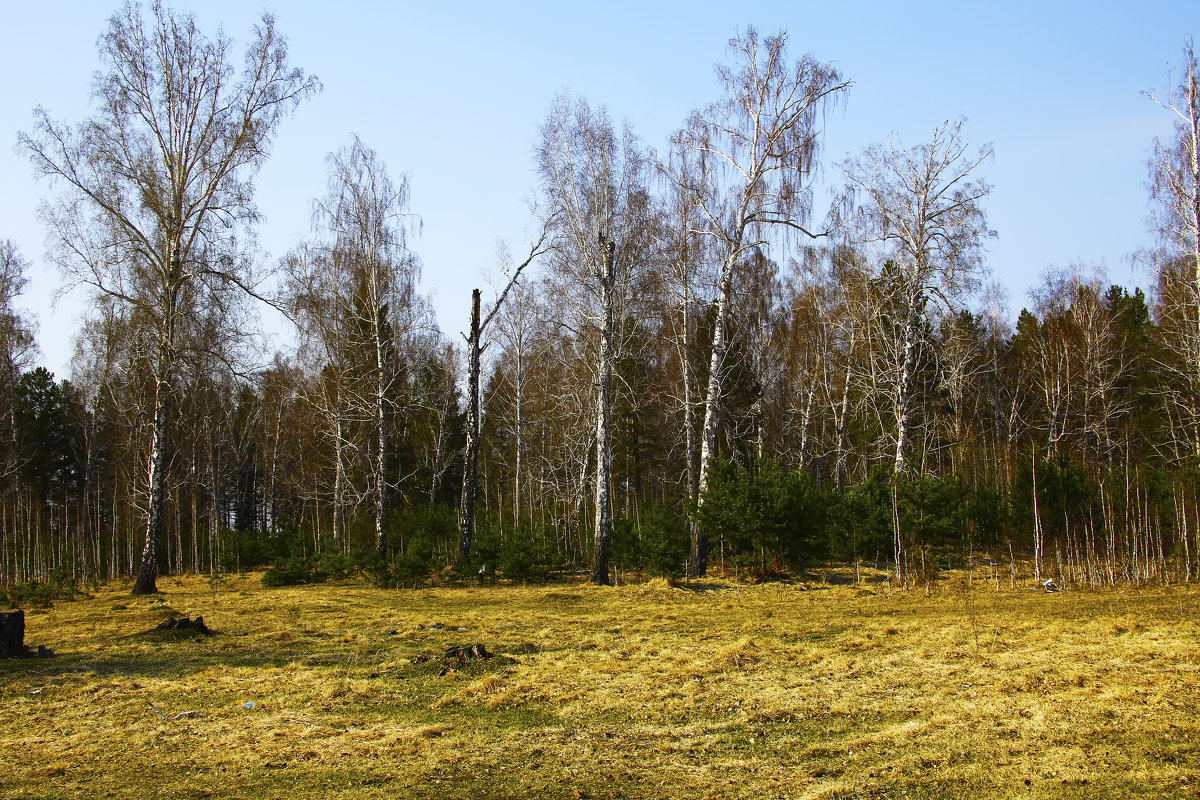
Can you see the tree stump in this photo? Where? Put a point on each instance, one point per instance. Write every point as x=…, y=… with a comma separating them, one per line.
x=186, y=624
x=12, y=634
x=469, y=651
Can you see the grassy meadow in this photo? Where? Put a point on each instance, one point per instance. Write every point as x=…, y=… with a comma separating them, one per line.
x=784, y=690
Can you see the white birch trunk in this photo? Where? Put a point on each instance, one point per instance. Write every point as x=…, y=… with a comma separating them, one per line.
x=148, y=571
x=156, y=480
x=518, y=471
x=339, y=478
x=1193, y=123
x=689, y=419
x=712, y=408
x=466, y=508
x=904, y=380
x=381, y=437
x=604, y=417
x=843, y=420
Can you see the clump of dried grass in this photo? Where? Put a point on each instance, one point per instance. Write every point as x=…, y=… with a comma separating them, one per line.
x=741, y=654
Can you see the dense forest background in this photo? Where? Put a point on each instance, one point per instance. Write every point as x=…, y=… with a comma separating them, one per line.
x=692, y=370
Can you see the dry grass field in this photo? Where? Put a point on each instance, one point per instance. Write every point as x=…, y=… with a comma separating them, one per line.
x=789, y=690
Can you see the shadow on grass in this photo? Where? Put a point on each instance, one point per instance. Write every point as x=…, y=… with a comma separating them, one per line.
x=703, y=587
x=168, y=654
x=177, y=654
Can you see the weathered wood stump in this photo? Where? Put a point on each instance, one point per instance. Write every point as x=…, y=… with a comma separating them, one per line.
x=468, y=651
x=12, y=634
x=454, y=656
x=186, y=624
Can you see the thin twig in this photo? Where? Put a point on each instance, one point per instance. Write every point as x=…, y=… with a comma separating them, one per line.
x=165, y=718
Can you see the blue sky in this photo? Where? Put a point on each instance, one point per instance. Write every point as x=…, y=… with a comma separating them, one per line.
x=453, y=95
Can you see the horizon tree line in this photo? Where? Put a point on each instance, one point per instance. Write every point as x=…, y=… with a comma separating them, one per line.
x=693, y=367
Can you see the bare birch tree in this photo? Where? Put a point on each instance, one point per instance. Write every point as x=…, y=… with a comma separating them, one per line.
x=318, y=299
x=16, y=336
x=595, y=181
x=923, y=210
x=365, y=219
x=686, y=261
x=475, y=347
x=156, y=180
x=519, y=330
x=757, y=151
x=822, y=330
x=16, y=351
x=1175, y=212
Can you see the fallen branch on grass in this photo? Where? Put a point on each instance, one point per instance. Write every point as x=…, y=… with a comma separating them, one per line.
x=165, y=718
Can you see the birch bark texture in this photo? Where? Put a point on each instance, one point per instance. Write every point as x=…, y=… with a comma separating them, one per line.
x=157, y=182
x=756, y=151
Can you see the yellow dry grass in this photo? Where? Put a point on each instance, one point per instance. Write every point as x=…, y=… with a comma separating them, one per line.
x=652, y=690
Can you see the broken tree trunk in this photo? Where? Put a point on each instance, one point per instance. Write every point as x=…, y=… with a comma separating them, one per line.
x=12, y=634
